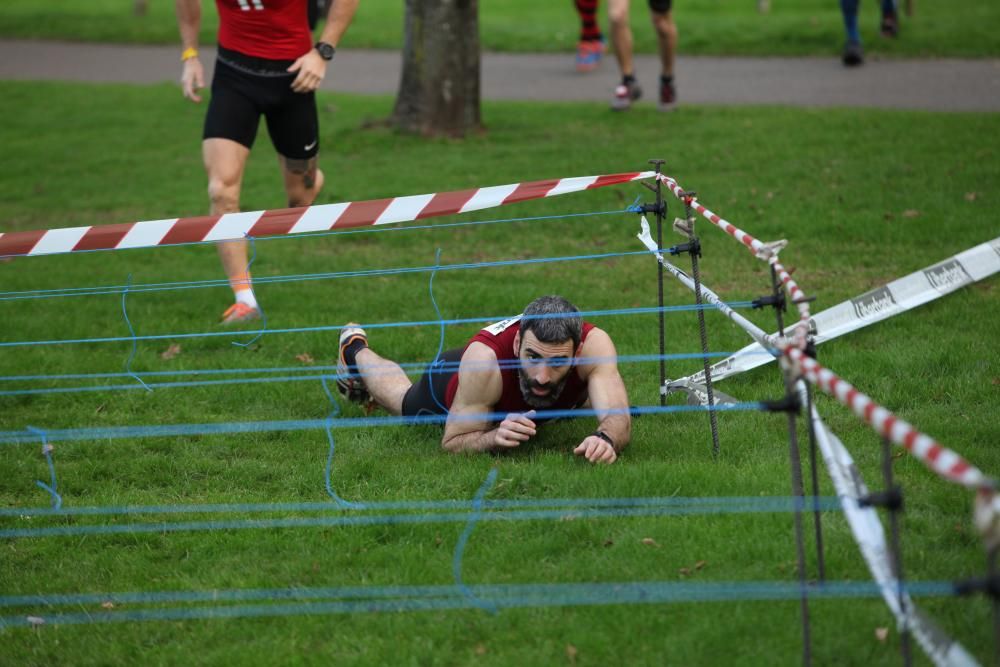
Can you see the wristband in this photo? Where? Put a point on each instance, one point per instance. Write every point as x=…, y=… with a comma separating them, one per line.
x=605, y=437
x=189, y=53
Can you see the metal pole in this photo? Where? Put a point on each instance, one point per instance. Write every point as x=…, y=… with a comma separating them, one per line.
x=897, y=556
x=817, y=524
x=702, y=331
x=660, y=212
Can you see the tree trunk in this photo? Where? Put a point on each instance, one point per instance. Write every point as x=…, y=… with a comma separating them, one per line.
x=439, y=86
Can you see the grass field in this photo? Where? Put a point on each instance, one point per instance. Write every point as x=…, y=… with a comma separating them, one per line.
x=963, y=28
x=907, y=190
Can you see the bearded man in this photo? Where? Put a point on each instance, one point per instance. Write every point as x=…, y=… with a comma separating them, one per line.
x=547, y=358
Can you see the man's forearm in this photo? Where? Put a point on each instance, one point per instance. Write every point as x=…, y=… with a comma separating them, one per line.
x=477, y=441
x=189, y=22
x=337, y=19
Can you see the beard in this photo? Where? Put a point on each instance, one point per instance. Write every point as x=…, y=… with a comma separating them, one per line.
x=536, y=401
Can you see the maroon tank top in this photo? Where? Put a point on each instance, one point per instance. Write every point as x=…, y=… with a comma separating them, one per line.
x=499, y=337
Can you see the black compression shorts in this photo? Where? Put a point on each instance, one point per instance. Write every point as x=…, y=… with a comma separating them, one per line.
x=244, y=88
x=426, y=397
x=660, y=6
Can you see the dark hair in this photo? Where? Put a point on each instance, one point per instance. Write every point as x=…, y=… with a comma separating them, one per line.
x=542, y=318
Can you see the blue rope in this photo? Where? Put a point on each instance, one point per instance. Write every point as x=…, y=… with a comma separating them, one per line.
x=50, y=488
x=425, y=598
x=260, y=308
x=220, y=428
x=735, y=504
x=456, y=561
x=330, y=275
x=438, y=363
x=387, y=325
x=334, y=411
x=131, y=330
x=353, y=519
x=833, y=589
x=414, y=365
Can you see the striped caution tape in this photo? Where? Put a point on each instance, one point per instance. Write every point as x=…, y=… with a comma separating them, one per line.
x=317, y=218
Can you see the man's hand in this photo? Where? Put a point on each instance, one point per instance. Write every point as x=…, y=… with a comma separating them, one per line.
x=311, y=69
x=192, y=79
x=596, y=450
x=515, y=429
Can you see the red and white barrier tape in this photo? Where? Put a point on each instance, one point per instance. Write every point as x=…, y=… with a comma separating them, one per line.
x=317, y=218
x=766, y=251
x=934, y=455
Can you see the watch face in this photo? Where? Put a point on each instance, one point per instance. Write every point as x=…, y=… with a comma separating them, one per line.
x=325, y=50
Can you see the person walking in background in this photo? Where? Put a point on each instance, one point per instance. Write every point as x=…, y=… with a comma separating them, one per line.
x=267, y=65
x=591, y=46
x=621, y=34
x=854, y=54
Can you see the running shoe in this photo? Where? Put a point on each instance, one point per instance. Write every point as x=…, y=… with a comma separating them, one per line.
x=350, y=384
x=624, y=95
x=854, y=55
x=240, y=312
x=668, y=96
x=588, y=54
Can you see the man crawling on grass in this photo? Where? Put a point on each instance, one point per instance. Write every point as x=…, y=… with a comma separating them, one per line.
x=547, y=358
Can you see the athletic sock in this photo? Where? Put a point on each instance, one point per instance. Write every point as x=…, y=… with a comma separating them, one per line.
x=351, y=354
x=666, y=79
x=628, y=79
x=246, y=297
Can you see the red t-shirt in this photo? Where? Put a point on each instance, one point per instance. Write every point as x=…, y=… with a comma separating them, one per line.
x=499, y=337
x=272, y=29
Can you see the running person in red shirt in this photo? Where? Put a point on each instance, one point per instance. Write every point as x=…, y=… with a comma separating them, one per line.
x=267, y=65
x=545, y=359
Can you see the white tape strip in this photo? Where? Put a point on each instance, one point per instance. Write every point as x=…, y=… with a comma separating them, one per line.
x=59, y=240
x=870, y=537
x=879, y=304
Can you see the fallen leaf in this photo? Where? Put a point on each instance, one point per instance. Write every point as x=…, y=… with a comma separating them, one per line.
x=684, y=571
x=571, y=653
x=881, y=634
x=649, y=541
x=315, y=566
x=971, y=196
x=770, y=195
x=437, y=540
x=888, y=216
x=911, y=213
x=700, y=564
x=995, y=381
x=172, y=351
x=100, y=408
x=608, y=542
x=107, y=604
x=305, y=358
x=480, y=649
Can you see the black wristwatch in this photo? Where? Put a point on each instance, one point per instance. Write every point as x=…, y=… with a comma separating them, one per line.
x=605, y=437
x=325, y=50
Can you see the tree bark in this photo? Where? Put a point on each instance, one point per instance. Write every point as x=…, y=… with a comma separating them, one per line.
x=439, y=86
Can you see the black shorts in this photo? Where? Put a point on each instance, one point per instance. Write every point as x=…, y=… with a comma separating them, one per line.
x=660, y=6
x=426, y=397
x=244, y=88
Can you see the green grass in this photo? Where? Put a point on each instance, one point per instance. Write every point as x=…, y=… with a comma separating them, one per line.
x=837, y=183
x=962, y=28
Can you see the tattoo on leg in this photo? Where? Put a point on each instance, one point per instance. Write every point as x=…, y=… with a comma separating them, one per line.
x=304, y=168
